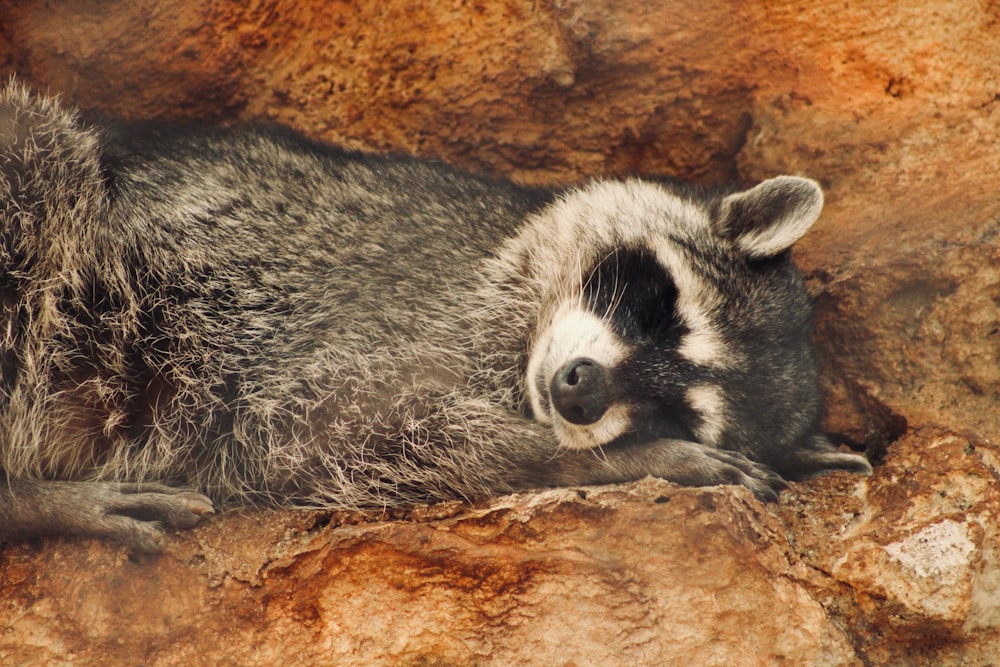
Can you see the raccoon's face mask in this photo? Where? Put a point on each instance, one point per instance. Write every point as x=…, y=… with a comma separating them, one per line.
x=640, y=345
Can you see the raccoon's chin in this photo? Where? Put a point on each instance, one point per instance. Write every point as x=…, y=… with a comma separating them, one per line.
x=613, y=424
x=649, y=427
x=623, y=425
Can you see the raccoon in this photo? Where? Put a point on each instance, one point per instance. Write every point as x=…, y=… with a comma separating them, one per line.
x=276, y=321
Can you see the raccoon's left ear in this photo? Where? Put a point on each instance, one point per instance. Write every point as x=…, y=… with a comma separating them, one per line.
x=768, y=218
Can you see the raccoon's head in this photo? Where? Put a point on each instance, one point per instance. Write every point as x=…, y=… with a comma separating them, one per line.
x=675, y=314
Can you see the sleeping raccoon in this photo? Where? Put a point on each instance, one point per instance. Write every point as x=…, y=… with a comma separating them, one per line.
x=272, y=320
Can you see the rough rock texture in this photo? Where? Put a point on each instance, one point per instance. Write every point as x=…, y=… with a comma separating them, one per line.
x=898, y=569
x=893, y=106
x=597, y=577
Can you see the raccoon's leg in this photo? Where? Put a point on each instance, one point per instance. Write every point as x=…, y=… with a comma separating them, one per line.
x=679, y=461
x=134, y=514
x=473, y=448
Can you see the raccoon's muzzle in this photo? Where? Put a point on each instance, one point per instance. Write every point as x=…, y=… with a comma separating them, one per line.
x=579, y=391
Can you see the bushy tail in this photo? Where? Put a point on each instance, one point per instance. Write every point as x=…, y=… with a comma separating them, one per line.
x=51, y=193
x=50, y=184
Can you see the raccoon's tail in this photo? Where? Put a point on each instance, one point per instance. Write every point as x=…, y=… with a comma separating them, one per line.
x=51, y=187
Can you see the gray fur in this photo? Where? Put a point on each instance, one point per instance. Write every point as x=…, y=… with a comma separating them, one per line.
x=275, y=321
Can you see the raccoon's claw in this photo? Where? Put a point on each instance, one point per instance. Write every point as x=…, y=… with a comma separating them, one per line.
x=766, y=489
x=735, y=468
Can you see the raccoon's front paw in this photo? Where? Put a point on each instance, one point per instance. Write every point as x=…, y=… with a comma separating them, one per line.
x=680, y=461
x=726, y=467
x=694, y=464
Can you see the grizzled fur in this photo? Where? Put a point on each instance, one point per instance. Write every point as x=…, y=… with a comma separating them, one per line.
x=272, y=320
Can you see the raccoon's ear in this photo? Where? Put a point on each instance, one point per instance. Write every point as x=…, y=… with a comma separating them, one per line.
x=768, y=218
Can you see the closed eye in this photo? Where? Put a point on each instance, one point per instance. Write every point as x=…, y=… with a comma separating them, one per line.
x=631, y=289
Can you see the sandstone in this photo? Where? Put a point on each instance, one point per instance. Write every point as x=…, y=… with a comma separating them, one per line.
x=892, y=107
x=641, y=574
x=896, y=569
x=915, y=546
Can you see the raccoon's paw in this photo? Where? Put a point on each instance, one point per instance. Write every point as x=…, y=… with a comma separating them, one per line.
x=133, y=514
x=679, y=461
x=734, y=468
x=694, y=464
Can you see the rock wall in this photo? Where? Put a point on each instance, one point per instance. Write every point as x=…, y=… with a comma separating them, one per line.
x=892, y=106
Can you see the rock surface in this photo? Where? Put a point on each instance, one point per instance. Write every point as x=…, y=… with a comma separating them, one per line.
x=894, y=108
x=896, y=569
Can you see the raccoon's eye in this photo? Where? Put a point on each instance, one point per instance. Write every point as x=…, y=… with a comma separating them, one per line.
x=656, y=310
x=634, y=293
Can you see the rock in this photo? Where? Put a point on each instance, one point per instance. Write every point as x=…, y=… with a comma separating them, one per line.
x=896, y=569
x=893, y=108
x=908, y=557
x=645, y=573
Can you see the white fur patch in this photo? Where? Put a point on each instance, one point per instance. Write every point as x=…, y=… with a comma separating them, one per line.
x=695, y=300
x=613, y=213
x=574, y=333
x=708, y=402
x=704, y=347
x=612, y=424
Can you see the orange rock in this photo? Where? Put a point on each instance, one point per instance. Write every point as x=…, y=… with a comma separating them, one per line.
x=894, y=108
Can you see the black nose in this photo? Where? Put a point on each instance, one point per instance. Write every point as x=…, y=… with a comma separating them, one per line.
x=579, y=391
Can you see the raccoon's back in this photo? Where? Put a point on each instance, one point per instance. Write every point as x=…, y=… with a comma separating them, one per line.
x=166, y=286
x=266, y=197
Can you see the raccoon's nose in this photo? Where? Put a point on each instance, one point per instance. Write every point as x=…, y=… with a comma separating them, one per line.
x=579, y=391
